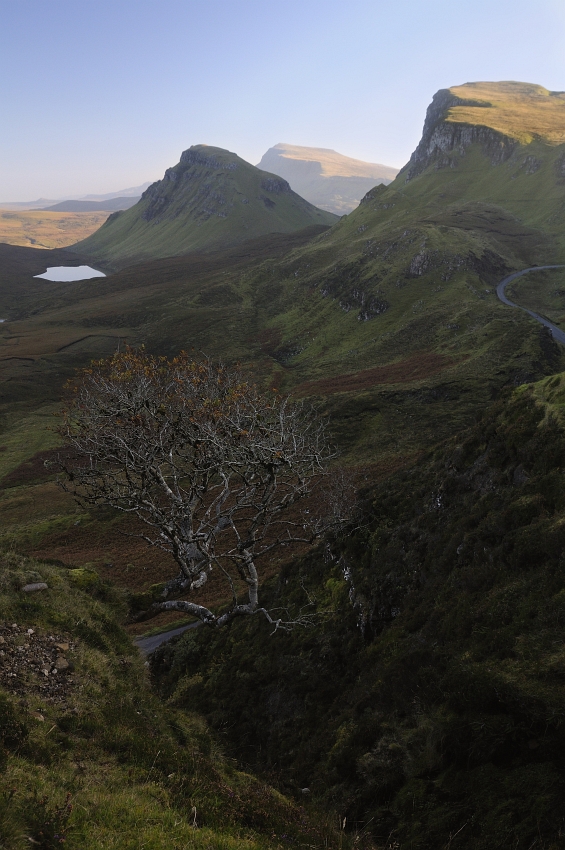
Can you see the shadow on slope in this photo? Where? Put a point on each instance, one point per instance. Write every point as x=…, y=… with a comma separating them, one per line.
x=428, y=703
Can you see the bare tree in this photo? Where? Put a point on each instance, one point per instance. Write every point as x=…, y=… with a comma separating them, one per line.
x=212, y=468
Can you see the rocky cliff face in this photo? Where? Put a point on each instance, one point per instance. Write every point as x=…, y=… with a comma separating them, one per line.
x=442, y=138
x=211, y=176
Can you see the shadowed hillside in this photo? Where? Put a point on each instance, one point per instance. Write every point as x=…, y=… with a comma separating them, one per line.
x=324, y=177
x=428, y=701
x=90, y=758
x=427, y=704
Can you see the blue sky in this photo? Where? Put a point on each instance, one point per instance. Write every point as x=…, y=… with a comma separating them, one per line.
x=97, y=96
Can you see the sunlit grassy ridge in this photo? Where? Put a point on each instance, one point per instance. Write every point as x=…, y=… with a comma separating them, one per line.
x=520, y=110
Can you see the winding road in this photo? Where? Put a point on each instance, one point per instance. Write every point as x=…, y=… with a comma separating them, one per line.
x=149, y=644
x=557, y=333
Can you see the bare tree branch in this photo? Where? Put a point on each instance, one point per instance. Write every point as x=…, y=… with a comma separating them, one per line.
x=216, y=471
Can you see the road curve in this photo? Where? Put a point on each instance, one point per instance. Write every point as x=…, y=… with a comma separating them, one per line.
x=149, y=644
x=557, y=333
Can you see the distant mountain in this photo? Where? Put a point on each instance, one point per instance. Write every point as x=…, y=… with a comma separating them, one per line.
x=132, y=192
x=211, y=199
x=324, y=177
x=110, y=205
x=47, y=203
x=22, y=206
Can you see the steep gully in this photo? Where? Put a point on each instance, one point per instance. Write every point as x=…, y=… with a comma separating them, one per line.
x=149, y=644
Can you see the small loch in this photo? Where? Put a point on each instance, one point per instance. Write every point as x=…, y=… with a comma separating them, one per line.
x=67, y=273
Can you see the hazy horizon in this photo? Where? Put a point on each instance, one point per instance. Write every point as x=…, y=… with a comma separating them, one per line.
x=100, y=96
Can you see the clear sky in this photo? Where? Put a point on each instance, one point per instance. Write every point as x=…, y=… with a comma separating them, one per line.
x=100, y=95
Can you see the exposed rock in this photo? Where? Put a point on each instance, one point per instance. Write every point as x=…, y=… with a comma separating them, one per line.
x=441, y=137
x=419, y=265
x=35, y=586
x=531, y=164
x=33, y=663
x=275, y=184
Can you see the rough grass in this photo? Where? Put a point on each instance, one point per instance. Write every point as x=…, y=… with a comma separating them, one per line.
x=105, y=764
x=429, y=700
x=293, y=310
x=39, y=229
x=542, y=293
x=520, y=110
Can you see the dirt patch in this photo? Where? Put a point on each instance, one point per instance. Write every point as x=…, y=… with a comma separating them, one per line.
x=415, y=368
x=35, y=663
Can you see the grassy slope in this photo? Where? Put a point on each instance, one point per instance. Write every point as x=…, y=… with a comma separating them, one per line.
x=201, y=206
x=313, y=319
x=137, y=773
x=545, y=294
x=521, y=110
x=434, y=705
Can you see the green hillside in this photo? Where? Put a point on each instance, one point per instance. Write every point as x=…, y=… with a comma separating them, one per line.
x=210, y=199
x=90, y=758
x=427, y=704
x=389, y=319
x=428, y=701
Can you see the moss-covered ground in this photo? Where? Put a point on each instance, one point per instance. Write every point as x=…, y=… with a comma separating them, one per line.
x=91, y=758
x=428, y=702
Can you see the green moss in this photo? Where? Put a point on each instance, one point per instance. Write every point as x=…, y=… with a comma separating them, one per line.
x=103, y=762
x=430, y=702
x=84, y=578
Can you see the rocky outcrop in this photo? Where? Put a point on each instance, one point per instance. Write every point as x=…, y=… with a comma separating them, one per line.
x=441, y=138
x=276, y=185
x=196, y=157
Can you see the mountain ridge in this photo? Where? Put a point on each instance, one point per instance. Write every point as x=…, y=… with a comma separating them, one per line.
x=328, y=179
x=427, y=703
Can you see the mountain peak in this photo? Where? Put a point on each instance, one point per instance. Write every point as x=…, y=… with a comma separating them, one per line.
x=210, y=199
x=324, y=177
x=523, y=111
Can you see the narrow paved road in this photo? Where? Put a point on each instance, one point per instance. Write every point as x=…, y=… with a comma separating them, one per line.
x=557, y=333
x=149, y=644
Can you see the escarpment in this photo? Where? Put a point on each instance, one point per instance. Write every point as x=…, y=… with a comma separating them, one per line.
x=498, y=116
